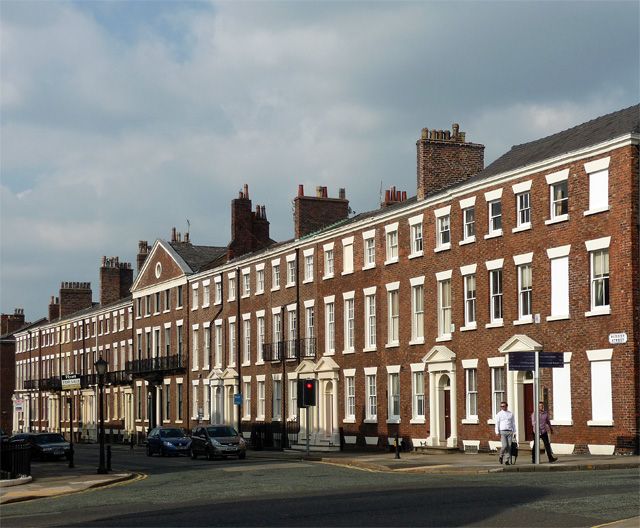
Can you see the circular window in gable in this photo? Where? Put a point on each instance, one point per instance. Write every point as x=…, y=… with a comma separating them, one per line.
x=158, y=270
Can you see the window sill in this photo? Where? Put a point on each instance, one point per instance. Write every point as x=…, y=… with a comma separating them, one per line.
x=370, y=420
x=598, y=311
x=600, y=423
x=395, y=420
x=443, y=338
x=557, y=220
x=392, y=345
x=349, y=420
x=205, y=367
x=329, y=353
x=347, y=273
x=491, y=421
x=289, y=285
x=493, y=234
x=195, y=369
x=526, y=321
x=521, y=228
x=595, y=211
x=325, y=277
x=245, y=296
x=557, y=317
x=348, y=351
x=470, y=421
x=177, y=421
x=417, y=421
x=417, y=341
x=469, y=240
x=217, y=303
x=246, y=363
x=259, y=362
x=495, y=324
x=370, y=349
x=368, y=267
x=246, y=418
x=391, y=261
x=416, y=255
x=473, y=326
x=443, y=247
x=275, y=289
x=561, y=422
x=307, y=281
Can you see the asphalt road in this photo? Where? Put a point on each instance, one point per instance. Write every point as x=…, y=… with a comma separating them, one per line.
x=271, y=492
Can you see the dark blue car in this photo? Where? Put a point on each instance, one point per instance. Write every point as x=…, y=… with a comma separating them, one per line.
x=168, y=441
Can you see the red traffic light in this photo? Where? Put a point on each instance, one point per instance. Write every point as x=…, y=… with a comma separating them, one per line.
x=309, y=385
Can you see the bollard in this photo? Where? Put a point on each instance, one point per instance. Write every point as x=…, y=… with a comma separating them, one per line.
x=71, y=464
x=131, y=443
x=108, y=458
x=397, y=446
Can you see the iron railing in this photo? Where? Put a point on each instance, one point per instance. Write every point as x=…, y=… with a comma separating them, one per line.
x=292, y=349
x=15, y=460
x=31, y=384
x=140, y=367
x=50, y=384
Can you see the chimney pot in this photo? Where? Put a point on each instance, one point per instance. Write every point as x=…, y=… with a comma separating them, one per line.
x=342, y=194
x=300, y=190
x=318, y=191
x=246, y=191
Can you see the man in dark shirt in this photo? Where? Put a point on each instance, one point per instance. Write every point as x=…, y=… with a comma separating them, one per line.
x=545, y=429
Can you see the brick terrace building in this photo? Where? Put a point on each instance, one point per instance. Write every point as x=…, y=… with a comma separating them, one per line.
x=406, y=316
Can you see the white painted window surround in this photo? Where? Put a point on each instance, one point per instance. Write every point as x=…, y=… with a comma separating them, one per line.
x=559, y=257
x=601, y=387
x=562, y=393
x=598, y=174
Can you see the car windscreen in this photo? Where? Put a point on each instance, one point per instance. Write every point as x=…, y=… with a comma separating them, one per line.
x=49, y=439
x=216, y=432
x=171, y=433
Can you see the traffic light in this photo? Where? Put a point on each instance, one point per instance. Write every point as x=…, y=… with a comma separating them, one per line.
x=307, y=393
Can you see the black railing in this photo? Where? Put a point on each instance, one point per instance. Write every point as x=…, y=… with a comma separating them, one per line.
x=50, y=384
x=292, y=349
x=139, y=367
x=268, y=435
x=31, y=384
x=119, y=377
x=15, y=460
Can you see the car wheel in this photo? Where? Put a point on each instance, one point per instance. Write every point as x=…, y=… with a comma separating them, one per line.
x=242, y=455
x=149, y=452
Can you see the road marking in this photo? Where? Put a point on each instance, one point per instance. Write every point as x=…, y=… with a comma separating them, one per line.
x=258, y=467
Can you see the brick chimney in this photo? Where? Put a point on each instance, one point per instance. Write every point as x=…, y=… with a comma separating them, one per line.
x=392, y=196
x=249, y=230
x=116, y=279
x=311, y=213
x=143, y=253
x=11, y=322
x=54, y=308
x=74, y=296
x=445, y=158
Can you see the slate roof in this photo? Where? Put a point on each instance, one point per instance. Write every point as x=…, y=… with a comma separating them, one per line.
x=592, y=132
x=197, y=257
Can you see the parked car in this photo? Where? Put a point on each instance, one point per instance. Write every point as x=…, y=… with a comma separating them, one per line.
x=45, y=445
x=217, y=440
x=4, y=436
x=168, y=441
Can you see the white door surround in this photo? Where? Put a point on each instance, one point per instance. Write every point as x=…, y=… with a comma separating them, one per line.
x=441, y=365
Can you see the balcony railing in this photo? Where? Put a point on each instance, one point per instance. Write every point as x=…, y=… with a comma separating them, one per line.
x=140, y=367
x=50, y=384
x=31, y=384
x=292, y=349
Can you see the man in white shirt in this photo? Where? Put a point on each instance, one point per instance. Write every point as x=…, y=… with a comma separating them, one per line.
x=506, y=428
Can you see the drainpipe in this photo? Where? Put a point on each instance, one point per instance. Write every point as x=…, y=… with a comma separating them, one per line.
x=188, y=348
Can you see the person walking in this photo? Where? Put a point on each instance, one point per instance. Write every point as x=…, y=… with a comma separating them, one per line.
x=545, y=429
x=506, y=428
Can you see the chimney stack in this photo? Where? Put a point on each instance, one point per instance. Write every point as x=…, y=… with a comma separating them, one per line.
x=249, y=230
x=445, y=158
x=54, y=308
x=143, y=251
x=74, y=296
x=312, y=213
x=11, y=322
x=392, y=196
x=116, y=279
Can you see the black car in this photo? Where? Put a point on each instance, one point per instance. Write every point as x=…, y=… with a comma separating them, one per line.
x=168, y=441
x=217, y=440
x=45, y=445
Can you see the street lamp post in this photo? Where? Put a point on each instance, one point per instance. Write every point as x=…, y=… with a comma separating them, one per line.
x=101, y=370
x=70, y=402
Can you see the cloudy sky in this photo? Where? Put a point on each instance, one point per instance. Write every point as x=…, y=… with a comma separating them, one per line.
x=120, y=120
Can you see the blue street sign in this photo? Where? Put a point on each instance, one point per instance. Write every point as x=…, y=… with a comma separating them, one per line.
x=526, y=360
x=237, y=399
x=522, y=361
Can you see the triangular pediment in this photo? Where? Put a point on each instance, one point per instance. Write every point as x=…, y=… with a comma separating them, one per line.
x=439, y=354
x=327, y=364
x=162, y=265
x=306, y=367
x=229, y=373
x=215, y=373
x=520, y=343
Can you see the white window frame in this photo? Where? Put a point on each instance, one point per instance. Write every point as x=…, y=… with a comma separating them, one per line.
x=347, y=255
x=369, y=249
x=559, y=272
x=391, y=243
x=470, y=297
x=470, y=367
x=445, y=308
x=246, y=283
x=443, y=228
x=561, y=380
x=261, y=329
x=522, y=193
x=418, y=400
x=601, y=387
x=349, y=322
x=308, y=265
x=259, y=278
x=554, y=180
x=417, y=236
x=370, y=326
x=393, y=316
x=275, y=275
x=598, y=174
x=291, y=270
x=246, y=339
x=328, y=260
x=371, y=395
x=495, y=269
x=349, y=395
x=468, y=208
x=330, y=325
x=393, y=394
x=231, y=281
x=596, y=248
x=417, y=310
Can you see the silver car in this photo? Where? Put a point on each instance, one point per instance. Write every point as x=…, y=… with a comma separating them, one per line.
x=217, y=441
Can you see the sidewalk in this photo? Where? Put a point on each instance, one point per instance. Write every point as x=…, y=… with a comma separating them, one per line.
x=53, y=480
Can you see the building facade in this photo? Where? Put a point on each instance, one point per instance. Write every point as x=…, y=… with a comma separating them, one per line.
x=406, y=316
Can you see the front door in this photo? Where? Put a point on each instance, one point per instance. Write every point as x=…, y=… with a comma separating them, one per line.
x=447, y=412
x=328, y=409
x=528, y=411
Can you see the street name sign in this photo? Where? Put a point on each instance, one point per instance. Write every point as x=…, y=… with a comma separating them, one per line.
x=618, y=339
x=527, y=360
